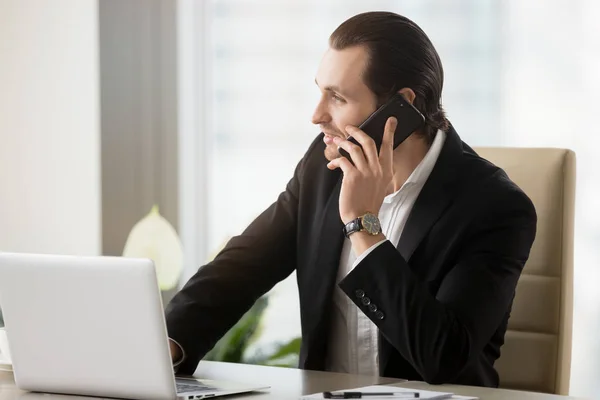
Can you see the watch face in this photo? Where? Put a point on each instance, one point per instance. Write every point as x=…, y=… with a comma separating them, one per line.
x=371, y=224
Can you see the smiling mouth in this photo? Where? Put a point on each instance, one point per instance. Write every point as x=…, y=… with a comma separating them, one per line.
x=333, y=135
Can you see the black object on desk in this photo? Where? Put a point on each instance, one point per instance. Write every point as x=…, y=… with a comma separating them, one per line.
x=360, y=395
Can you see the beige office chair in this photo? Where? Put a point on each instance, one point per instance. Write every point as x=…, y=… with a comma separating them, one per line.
x=536, y=355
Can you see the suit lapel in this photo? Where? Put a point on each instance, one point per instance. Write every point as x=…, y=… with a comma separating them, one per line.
x=437, y=194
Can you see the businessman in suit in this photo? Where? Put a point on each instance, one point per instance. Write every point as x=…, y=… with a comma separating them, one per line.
x=406, y=260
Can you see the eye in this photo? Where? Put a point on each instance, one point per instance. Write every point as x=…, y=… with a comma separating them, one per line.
x=337, y=98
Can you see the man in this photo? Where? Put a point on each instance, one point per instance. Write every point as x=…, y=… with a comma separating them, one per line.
x=428, y=296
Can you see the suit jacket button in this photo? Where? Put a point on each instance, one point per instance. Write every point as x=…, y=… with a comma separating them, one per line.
x=359, y=293
x=379, y=315
x=372, y=307
x=366, y=301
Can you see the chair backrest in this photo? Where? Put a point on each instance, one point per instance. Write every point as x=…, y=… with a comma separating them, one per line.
x=536, y=355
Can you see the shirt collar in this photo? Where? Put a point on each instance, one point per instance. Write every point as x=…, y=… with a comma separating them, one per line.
x=420, y=175
x=423, y=170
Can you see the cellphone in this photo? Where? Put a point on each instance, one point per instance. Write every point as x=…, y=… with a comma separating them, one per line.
x=408, y=117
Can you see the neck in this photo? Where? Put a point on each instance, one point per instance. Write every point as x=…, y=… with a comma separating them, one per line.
x=407, y=157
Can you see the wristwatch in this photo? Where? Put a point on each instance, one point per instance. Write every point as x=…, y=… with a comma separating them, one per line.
x=368, y=223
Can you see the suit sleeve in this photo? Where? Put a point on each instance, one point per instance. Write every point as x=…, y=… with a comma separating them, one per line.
x=440, y=335
x=216, y=297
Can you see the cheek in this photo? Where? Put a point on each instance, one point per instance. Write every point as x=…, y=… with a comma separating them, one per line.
x=349, y=115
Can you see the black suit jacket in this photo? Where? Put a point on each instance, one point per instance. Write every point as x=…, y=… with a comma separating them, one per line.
x=443, y=293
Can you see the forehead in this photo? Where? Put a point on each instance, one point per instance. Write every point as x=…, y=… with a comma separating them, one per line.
x=343, y=68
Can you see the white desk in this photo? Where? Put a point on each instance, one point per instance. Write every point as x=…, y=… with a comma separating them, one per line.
x=290, y=383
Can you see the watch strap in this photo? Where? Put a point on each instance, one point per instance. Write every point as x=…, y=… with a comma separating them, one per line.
x=353, y=226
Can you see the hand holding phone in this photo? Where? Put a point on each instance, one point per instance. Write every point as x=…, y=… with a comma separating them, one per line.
x=365, y=184
x=408, y=117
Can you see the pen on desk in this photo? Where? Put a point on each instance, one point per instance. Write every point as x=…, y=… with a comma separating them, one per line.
x=360, y=395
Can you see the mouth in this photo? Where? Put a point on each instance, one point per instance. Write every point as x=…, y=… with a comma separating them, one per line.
x=328, y=138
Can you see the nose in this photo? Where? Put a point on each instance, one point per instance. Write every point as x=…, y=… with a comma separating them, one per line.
x=321, y=115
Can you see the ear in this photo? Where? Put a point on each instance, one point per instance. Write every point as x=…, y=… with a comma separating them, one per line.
x=408, y=94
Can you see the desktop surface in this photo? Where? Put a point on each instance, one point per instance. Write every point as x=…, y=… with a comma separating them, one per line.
x=291, y=383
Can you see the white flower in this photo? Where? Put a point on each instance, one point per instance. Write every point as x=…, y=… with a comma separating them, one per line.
x=155, y=238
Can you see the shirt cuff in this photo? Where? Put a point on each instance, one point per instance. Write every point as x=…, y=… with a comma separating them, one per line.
x=176, y=363
x=367, y=252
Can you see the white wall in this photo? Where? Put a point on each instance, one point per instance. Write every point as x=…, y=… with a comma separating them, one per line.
x=49, y=127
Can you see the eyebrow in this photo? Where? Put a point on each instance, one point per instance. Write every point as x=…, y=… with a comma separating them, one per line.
x=332, y=88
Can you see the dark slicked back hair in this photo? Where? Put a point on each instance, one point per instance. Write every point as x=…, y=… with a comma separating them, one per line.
x=400, y=55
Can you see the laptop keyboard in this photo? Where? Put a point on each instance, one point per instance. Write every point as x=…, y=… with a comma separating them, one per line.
x=189, y=386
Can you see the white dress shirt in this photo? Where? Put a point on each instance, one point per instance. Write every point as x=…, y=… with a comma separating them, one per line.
x=354, y=340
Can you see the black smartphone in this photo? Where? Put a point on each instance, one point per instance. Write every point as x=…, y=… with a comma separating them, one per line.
x=408, y=117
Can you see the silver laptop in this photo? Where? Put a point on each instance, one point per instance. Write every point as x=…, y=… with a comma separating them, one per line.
x=92, y=326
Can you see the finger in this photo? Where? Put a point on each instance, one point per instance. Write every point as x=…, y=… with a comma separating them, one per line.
x=386, y=154
x=343, y=163
x=356, y=153
x=367, y=143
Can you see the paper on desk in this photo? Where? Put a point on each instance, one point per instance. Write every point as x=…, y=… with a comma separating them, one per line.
x=423, y=394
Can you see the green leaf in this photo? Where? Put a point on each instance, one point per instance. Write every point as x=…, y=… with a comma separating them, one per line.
x=292, y=347
x=290, y=361
x=279, y=355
